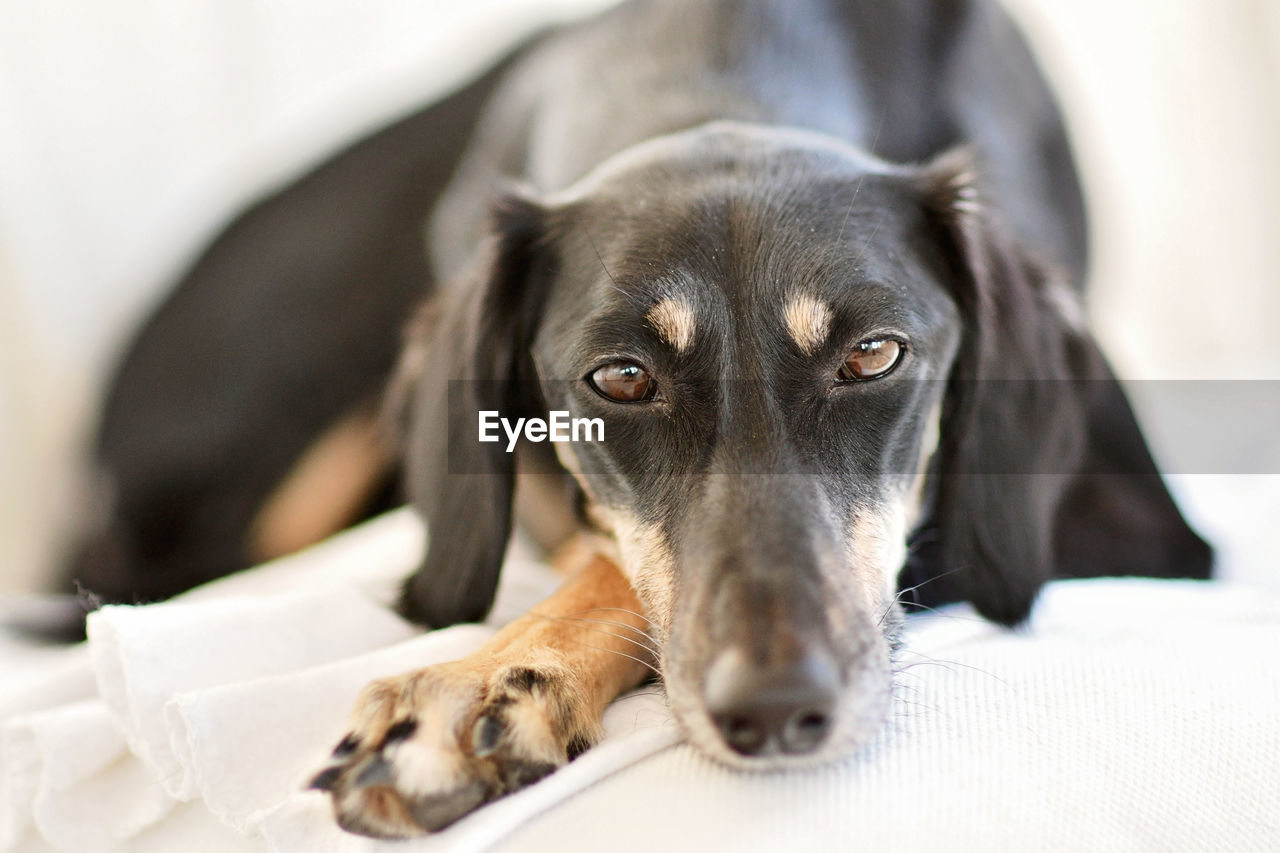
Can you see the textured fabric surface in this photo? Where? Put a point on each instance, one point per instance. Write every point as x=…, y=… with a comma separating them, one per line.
x=1127, y=715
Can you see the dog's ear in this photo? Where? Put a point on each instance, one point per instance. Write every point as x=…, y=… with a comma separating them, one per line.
x=1041, y=470
x=470, y=354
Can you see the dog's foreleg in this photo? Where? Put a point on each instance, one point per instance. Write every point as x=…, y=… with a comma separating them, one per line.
x=430, y=746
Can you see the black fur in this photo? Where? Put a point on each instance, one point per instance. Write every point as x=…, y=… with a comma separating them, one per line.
x=526, y=680
x=1041, y=471
x=476, y=362
x=402, y=730
x=1031, y=409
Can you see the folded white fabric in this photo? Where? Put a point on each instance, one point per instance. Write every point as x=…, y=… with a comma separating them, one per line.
x=91, y=792
x=253, y=744
x=1129, y=715
x=145, y=654
x=228, y=695
x=32, y=679
x=144, y=657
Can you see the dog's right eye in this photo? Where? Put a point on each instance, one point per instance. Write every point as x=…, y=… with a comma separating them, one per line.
x=623, y=382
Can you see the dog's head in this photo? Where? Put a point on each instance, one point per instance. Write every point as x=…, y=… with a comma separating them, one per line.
x=801, y=356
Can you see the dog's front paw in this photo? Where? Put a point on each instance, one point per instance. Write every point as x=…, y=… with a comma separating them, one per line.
x=429, y=747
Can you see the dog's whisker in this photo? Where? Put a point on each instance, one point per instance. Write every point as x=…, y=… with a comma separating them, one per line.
x=651, y=649
x=619, y=636
x=643, y=663
x=580, y=614
x=908, y=702
x=945, y=664
x=897, y=598
x=616, y=623
x=613, y=281
x=910, y=687
x=861, y=178
x=865, y=244
x=923, y=583
x=651, y=643
x=849, y=210
x=618, y=610
x=616, y=636
x=959, y=617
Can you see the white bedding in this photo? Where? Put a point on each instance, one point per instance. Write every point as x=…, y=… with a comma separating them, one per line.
x=1129, y=715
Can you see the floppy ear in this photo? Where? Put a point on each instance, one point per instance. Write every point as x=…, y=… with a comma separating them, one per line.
x=471, y=356
x=1117, y=517
x=1041, y=471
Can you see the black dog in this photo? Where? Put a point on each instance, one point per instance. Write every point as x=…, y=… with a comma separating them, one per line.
x=815, y=267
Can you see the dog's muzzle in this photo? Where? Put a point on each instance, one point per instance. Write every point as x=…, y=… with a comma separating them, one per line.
x=776, y=659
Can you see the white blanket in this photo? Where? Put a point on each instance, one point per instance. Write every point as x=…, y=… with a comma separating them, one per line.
x=1128, y=715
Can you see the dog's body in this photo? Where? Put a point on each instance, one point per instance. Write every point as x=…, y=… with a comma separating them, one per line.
x=814, y=264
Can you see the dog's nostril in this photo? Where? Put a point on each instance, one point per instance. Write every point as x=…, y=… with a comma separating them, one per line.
x=744, y=736
x=806, y=731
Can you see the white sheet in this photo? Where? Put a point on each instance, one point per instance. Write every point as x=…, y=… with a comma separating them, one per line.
x=1129, y=715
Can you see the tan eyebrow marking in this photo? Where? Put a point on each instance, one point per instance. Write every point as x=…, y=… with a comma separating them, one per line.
x=672, y=318
x=807, y=320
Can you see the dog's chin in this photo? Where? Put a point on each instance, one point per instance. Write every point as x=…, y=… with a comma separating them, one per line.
x=860, y=715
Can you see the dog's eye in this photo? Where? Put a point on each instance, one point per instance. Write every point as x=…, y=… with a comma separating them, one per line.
x=623, y=382
x=870, y=360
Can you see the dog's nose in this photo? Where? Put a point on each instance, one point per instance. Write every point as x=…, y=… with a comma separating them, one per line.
x=762, y=710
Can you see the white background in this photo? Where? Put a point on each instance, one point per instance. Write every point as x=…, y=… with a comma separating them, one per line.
x=130, y=129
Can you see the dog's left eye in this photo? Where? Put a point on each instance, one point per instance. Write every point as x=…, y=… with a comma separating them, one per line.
x=623, y=382
x=870, y=360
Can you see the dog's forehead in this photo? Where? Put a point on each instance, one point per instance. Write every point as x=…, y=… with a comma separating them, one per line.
x=728, y=254
x=701, y=151
x=730, y=232
x=725, y=192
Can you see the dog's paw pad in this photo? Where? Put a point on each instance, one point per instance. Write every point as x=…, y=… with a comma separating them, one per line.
x=432, y=746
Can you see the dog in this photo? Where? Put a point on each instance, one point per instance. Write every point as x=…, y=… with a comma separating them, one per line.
x=814, y=266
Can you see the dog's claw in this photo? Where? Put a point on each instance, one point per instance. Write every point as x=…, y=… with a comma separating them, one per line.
x=486, y=735
x=375, y=773
x=402, y=730
x=349, y=744
x=326, y=779
x=435, y=813
x=521, y=774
